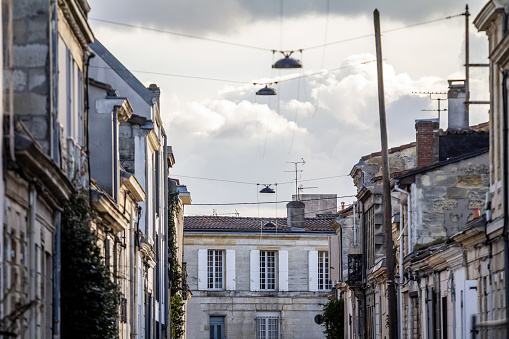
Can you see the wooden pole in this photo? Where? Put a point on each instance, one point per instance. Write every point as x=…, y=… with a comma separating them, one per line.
x=389, y=254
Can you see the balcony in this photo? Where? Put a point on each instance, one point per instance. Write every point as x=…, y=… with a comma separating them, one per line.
x=354, y=268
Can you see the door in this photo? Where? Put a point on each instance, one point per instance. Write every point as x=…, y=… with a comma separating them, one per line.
x=217, y=328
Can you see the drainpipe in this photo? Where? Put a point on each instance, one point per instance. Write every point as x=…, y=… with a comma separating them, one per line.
x=401, y=280
x=364, y=268
x=32, y=201
x=55, y=141
x=115, y=154
x=506, y=191
x=354, y=227
x=56, y=278
x=166, y=233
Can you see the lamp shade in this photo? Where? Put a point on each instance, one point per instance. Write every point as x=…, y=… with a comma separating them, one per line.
x=287, y=62
x=267, y=189
x=266, y=91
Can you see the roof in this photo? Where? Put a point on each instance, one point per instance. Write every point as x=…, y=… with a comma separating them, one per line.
x=224, y=223
x=122, y=71
x=391, y=150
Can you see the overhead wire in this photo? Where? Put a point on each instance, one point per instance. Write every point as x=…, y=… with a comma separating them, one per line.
x=271, y=49
x=181, y=34
x=268, y=202
x=258, y=183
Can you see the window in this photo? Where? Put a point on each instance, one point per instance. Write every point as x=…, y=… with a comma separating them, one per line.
x=216, y=269
x=268, y=326
x=324, y=282
x=267, y=270
x=215, y=264
x=263, y=270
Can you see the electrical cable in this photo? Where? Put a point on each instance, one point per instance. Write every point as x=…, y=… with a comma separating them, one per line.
x=270, y=49
x=253, y=183
x=265, y=202
x=181, y=34
x=233, y=81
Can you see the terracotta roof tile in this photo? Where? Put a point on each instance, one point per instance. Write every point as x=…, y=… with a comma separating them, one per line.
x=252, y=224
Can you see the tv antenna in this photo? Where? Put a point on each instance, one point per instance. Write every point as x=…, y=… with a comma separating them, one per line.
x=301, y=188
x=438, y=99
x=297, y=170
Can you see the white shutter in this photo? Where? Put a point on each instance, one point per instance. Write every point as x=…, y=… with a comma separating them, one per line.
x=470, y=306
x=283, y=270
x=230, y=270
x=254, y=270
x=334, y=259
x=202, y=269
x=313, y=270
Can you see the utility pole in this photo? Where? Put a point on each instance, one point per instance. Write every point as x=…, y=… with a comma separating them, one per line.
x=389, y=255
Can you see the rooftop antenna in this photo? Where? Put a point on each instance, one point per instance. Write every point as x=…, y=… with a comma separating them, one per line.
x=296, y=163
x=438, y=99
x=301, y=188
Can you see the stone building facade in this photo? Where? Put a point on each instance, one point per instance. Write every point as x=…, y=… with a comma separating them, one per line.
x=45, y=53
x=256, y=277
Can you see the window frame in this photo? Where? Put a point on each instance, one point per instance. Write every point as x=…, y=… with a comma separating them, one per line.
x=215, y=277
x=268, y=275
x=264, y=322
x=324, y=282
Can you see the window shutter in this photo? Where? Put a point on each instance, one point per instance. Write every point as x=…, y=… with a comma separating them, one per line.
x=254, y=270
x=334, y=259
x=202, y=269
x=230, y=270
x=313, y=270
x=470, y=299
x=283, y=270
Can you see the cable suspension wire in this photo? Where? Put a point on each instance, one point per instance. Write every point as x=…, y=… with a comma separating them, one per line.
x=253, y=183
x=271, y=49
x=267, y=202
x=181, y=34
x=235, y=81
x=383, y=32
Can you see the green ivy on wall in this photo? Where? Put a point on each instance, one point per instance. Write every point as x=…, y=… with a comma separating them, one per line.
x=174, y=272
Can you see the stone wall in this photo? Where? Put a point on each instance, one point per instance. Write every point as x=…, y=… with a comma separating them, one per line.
x=446, y=196
x=31, y=68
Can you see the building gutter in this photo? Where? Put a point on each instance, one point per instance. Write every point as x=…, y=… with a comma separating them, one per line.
x=56, y=277
x=55, y=140
x=506, y=190
x=402, y=230
x=166, y=236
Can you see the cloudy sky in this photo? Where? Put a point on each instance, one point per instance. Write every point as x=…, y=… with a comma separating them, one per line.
x=227, y=140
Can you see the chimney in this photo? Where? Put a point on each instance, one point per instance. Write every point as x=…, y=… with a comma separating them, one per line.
x=457, y=112
x=156, y=92
x=425, y=130
x=295, y=215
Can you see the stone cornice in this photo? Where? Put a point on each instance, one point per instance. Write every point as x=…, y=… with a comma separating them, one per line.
x=153, y=141
x=132, y=184
x=37, y=165
x=109, y=211
x=487, y=15
x=77, y=21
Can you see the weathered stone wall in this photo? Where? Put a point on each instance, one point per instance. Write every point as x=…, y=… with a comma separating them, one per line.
x=446, y=196
x=31, y=67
